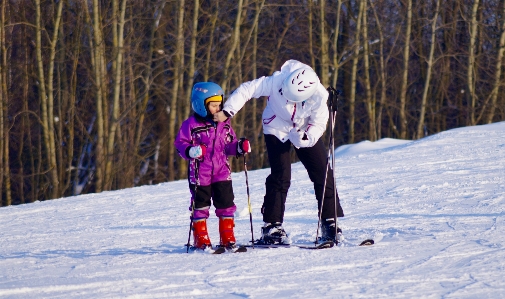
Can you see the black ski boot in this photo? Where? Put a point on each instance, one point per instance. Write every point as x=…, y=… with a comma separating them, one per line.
x=274, y=233
x=328, y=231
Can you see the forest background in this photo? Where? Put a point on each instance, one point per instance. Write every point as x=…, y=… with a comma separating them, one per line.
x=93, y=92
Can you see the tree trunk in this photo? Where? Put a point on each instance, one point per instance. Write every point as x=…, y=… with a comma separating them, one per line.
x=118, y=41
x=97, y=53
x=405, y=77
x=311, y=38
x=352, y=98
x=256, y=126
x=369, y=101
x=382, y=74
x=325, y=60
x=234, y=43
x=147, y=80
x=498, y=71
x=208, y=58
x=4, y=132
x=471, y=64
x=192, y=62
x=175, y=91
x=47, y=93
x=336, y=64
x=70, y=112
x=191, y=73
x=429, y=68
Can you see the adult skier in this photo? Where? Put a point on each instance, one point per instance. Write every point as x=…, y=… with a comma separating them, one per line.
x=296, y=113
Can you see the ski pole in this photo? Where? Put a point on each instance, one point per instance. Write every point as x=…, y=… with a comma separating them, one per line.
x=324, y=193
x=197, y=181
x=248, y=201
x=190, y=222
x=332, y=105
x=334, y=109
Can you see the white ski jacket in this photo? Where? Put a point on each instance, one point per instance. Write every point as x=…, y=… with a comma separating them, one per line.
x=281, y=115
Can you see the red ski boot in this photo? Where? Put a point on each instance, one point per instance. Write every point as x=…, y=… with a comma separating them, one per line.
x=200, y=235
x=227, y=237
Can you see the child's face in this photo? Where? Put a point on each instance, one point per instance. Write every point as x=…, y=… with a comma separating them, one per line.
x=214, y=107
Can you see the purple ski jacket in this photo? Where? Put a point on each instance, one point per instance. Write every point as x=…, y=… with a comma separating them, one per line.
x=221, y=142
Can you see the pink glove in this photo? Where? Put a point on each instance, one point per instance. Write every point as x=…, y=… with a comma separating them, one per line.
x=243, y=146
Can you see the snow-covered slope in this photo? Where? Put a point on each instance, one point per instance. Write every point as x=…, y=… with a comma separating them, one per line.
x=435, y=207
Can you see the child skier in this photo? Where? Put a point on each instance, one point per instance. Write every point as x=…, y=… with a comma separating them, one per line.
x=206, y=144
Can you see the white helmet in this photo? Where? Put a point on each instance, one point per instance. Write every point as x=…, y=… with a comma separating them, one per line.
x=300, y=85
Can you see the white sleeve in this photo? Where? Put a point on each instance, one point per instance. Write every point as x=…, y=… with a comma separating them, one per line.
x=319, y=116
x=246, y=91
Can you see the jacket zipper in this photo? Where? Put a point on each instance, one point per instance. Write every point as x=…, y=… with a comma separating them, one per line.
x=294, y=112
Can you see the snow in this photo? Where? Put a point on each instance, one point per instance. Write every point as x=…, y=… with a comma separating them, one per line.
x=434, y=206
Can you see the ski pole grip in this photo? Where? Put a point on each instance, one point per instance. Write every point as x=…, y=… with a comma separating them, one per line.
x=333, y=98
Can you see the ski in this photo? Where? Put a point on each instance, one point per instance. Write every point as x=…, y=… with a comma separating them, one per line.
x=323, y=245
x=267, y=245
x=237, y=249
x=217, y=250
x=262, y=244
x=234, y=249
x=243, y=248
x=367, y=242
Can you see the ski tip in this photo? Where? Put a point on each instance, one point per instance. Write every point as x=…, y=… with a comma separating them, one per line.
x=208, y=249
x=326, y=244
x=240, y=249
x=367, y=242
x=219, y=250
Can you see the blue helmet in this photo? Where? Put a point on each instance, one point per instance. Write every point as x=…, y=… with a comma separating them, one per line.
x=201, y=92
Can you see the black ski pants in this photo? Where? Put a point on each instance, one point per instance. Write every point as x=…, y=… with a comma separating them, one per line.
x=277, y=183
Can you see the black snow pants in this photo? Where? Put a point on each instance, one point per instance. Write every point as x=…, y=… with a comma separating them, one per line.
x=277, y=183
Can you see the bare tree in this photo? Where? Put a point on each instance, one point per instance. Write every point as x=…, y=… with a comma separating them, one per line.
x=311, y=38
x=405, y=77
x=4, y=132
x=471, y=62
x=47, y=92
x=232, y=47
x=369, y=100
x=97, y=45
x=336, y=35
x=148, y=71
x=118, y=44
x=325, y=60
x=179, y=52
x=382, y=72
x=420, y=125
x=352, y=98
x=499, y=64
x=211, y=44
x=92, y=92
x=192, y=59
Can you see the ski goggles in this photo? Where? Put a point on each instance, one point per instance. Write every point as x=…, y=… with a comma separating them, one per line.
x=218, y=98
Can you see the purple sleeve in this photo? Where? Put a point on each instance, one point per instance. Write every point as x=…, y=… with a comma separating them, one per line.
x=231, y=148
x=183, y=139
